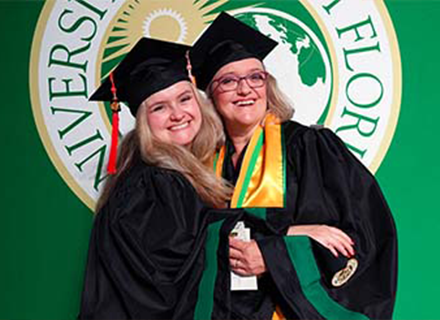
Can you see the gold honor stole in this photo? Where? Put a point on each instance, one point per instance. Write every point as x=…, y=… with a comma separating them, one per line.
x=262, y=179
x=262, y=184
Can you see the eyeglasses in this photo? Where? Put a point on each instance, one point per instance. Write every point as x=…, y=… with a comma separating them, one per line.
x=230, y=82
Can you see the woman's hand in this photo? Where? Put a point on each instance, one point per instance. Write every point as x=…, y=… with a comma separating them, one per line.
x=245, y=258
x=332, y=238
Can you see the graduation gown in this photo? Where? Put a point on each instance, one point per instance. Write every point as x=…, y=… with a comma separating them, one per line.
x=146, y=250
x=325, y=184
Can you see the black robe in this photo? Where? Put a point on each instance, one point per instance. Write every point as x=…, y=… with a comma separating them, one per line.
x=157, y=252
x=326, y=184
x=146, y=251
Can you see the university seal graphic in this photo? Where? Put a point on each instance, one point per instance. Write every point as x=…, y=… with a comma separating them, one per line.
x=338, y=62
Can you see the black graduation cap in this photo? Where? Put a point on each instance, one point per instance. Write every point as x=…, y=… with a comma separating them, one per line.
x=152, y=65
x=226, y=40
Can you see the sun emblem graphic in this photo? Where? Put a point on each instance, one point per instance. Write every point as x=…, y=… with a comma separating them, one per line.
x=177, y=21
x=176, y=25
x=76, y=133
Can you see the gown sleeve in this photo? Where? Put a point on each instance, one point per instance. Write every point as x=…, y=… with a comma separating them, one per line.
x=145, y=250
x=334, y=188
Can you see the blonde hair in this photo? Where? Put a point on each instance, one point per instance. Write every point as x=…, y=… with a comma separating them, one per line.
x=277, y=102
x=193, y=162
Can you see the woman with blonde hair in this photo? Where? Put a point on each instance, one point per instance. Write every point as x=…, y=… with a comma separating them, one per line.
x=146, y=249
x=332, y=253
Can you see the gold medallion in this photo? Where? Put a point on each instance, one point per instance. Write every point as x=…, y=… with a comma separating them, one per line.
x=343, y=275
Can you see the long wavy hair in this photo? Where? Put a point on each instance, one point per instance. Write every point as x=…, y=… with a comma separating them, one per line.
x=193, y=161
x=277, y=102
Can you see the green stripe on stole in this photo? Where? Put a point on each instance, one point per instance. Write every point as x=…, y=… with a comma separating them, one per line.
x=205, y=299
x=303, y=260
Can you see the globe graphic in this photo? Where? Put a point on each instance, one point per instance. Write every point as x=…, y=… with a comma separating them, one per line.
x=299, y=63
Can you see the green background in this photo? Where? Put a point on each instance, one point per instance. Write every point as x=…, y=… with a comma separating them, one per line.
x=44, y=227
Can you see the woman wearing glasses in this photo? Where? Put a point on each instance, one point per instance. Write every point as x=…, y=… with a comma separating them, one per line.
x=333, y=254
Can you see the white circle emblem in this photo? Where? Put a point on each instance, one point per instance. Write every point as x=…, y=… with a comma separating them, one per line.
x=338, y=61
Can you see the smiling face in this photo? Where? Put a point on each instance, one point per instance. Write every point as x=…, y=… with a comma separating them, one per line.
x=244, y=108
x=173, y=114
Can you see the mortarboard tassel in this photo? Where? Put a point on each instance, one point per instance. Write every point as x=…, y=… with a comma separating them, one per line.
x=189, y=68
x=111, y=168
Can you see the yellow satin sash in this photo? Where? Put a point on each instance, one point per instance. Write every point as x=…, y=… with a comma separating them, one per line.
x=278, y=315
x=262, y=179
x=261, y=182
